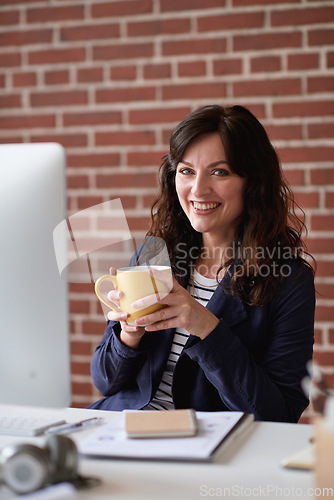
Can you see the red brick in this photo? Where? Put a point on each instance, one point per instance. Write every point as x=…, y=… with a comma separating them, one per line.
x=194, y=46
x=10, y=101
x=322, y=223
x=325, y=290
x=122, y=51
x=123, y=73
x=138, y=223
x=93, y=327
x=121, y=8
x=329, y=199
x=125, y=94
x=324, y=358
x=81, y=348
x=196, y=90
x=265, y=64
x=277, y=87
x=284, y=132
x=322, y=176
x=92, y=118
x=11, y=139
x=321, y=246
x=296, y=17
x=89, y=75
x=93, y=160
x=320, y=37
x=24, y=79
x=89, y=32
x=149, y=158
x=79, y=306
x=67, y=140
x=81, y=288
x=267, y=41
x=82, y=388
x=60, y=98
x=320, y=130
x=25, y=37
x=307, y=199
x=77, y=182
x=176, y=5
x=125, y=180
x=294, y=177
x=330, y=60
x=158, y=27
x=54, y=14
x=229, y=22
x=2, y=80
x=227, y=66
x=320, y=83
x=325, y=268
x=54, y=56
x=125, y=138
x=10, y=59
x=246, y=3
x=307, y=154
x=194, y=68
x=158, y=115
x=84, y=202
x=303, y=61
x=9, y=17
x=303, y=108
x=57, y=77
x=78, y=368
x=26, y=121
x=154, y=71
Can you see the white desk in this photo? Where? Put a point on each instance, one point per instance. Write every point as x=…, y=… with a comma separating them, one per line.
x=248, y=467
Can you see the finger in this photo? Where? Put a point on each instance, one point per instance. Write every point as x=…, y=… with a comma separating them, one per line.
x=112, y=271
x=158, y=318
x=114, y=296
x=117, y=316
x=129, y=328
x=166, y=278
x=149, y=300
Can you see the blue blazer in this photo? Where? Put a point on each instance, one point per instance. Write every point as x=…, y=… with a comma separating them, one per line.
x=253, y=361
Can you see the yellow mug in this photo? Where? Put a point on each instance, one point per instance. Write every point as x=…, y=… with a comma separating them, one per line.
x=135, y=283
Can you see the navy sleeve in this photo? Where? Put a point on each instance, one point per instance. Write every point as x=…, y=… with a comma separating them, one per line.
x=114, y=365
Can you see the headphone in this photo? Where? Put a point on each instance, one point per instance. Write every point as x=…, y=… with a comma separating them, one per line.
x=25, y=467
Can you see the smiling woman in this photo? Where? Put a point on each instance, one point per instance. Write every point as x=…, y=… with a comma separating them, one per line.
x=237, y=328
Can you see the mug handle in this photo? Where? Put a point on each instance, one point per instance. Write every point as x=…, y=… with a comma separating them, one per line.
x=106, y=277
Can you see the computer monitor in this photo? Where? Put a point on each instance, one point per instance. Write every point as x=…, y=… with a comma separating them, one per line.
x=34, y=336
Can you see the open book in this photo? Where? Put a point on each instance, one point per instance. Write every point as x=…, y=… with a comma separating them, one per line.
x=110, y=440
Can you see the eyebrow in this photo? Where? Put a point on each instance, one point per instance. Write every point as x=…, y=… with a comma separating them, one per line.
x=211, y=165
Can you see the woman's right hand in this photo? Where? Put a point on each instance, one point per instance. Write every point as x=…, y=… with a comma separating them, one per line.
x=130, y=335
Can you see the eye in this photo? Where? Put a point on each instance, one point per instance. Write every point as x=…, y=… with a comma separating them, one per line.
x=185, y=171
x=220, y=172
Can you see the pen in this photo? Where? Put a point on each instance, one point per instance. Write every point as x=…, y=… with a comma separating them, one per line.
x=64, y=428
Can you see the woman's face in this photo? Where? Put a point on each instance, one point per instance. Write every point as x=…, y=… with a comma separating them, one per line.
x=209, y=193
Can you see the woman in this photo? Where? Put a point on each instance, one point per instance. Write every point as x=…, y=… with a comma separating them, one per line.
x=237, y=328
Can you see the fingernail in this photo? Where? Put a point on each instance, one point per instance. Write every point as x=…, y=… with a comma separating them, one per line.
x=136, y=304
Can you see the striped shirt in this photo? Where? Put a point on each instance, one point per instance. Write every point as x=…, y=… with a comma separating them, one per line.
x=202, y=289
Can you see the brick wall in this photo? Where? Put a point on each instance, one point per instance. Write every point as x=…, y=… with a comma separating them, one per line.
x=110, y=79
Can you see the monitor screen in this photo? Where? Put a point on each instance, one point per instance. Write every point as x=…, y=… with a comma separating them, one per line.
x=34, y=336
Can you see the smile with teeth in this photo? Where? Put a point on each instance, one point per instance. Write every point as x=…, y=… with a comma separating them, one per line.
x=204, y=206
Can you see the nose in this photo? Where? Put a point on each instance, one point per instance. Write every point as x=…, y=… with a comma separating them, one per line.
x=200, y=186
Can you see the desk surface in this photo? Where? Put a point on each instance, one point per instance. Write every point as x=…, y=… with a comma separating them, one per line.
x=247, y=467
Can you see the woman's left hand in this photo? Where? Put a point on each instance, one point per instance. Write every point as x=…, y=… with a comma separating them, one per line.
x=181, y=310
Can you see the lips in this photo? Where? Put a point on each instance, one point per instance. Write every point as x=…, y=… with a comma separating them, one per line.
x=204, y=206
